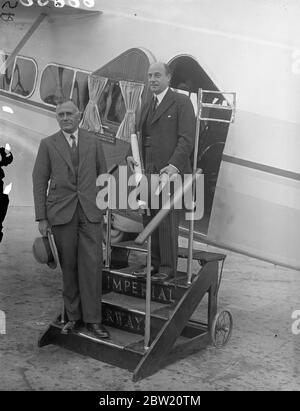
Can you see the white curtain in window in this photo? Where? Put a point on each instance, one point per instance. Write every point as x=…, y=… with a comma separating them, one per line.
x=131, y=93
x=91, y=117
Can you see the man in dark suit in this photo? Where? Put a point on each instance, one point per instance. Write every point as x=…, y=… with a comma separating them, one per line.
x=167, y=128
x=71, y=160
x=5, y=159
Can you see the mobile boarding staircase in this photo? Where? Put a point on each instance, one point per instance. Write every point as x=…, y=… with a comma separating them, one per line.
x=150, y=323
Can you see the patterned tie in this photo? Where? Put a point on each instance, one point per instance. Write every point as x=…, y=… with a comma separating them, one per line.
x=155, y=104
x=73, y=138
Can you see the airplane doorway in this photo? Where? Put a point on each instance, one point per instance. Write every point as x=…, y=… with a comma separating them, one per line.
x=187, y=77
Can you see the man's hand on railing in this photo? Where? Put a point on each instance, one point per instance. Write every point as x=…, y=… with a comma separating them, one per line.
x=170, y=170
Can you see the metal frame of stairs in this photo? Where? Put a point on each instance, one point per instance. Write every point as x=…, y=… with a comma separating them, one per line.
x=173, y=334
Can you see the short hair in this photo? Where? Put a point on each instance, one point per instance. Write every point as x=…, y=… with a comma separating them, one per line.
x=167, y=68
x=63, y=100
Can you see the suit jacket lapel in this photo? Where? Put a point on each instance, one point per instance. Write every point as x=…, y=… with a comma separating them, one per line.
x=83, y=146
x=167, y=101
x=61, y=145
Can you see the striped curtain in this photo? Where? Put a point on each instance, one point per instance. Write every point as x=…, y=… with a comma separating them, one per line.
x=131, y=93
x=91, y=117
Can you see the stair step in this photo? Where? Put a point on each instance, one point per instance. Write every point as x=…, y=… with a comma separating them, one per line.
x=118, y=338
x=199, y=255
x=123, y=349
x=122, y=282
x=128, y=313
x=130, y=302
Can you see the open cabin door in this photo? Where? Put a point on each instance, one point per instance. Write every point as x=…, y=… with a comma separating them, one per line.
x=129, y=67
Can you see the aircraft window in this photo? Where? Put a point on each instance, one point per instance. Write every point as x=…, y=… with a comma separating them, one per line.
x=111, y=105
x=56, y=83
x=80, y=94
x=24, y=77
x=5, y=78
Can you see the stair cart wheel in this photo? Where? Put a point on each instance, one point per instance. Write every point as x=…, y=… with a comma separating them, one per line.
x=221, y=328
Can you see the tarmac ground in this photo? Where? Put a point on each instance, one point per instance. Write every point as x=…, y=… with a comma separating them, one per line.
x=263, y=353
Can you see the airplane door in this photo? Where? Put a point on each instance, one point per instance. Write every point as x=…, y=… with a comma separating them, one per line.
x=131, y=66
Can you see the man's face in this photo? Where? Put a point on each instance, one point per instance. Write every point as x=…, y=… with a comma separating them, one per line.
x=157, y=77
x=68, y=117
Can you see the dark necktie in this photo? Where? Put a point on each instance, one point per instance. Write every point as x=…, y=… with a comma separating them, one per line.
x=74, y=153
x=73, y=138
x=155, y=104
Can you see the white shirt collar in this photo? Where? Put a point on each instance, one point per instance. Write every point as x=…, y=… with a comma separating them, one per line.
x=161, y=95
x=68, y=138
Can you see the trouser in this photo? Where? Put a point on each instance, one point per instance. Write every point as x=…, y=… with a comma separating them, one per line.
x=164, y=240
x=79, y=247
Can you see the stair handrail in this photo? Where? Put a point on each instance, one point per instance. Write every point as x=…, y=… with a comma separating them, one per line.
x=110, y=171
x=163, y=212
x=146, y=235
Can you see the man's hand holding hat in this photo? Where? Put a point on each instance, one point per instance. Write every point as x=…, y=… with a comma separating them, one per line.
x=44, y=227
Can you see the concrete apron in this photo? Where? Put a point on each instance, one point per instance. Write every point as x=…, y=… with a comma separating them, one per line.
x=263, y=353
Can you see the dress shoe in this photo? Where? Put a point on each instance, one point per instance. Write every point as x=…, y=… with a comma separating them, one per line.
x=71, y=326
x=161, y=277
x=143, y=272
x=98, y=330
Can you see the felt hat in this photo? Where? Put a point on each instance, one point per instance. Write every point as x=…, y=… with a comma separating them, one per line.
x=44, y=251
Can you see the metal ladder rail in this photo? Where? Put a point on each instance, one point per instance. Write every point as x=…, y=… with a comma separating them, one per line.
x=200, y=105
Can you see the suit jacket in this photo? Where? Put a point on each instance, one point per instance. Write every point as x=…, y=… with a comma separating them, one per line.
x=53, y=164
x=172, y=131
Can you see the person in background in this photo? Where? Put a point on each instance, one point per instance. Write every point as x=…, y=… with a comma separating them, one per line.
x=6, y=158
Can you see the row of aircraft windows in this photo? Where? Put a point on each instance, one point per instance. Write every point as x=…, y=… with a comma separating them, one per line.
x=57, y=81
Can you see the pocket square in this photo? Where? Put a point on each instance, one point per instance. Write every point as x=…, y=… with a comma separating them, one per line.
x=169, y=116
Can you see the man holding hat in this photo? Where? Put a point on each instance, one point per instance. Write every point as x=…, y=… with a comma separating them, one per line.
x=69, y=162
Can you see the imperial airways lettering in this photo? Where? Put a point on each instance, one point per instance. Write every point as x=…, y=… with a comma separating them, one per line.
x=6, y=158
x=137, y=289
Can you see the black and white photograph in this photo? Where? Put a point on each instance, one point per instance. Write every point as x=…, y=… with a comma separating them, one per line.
x=149, y=198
